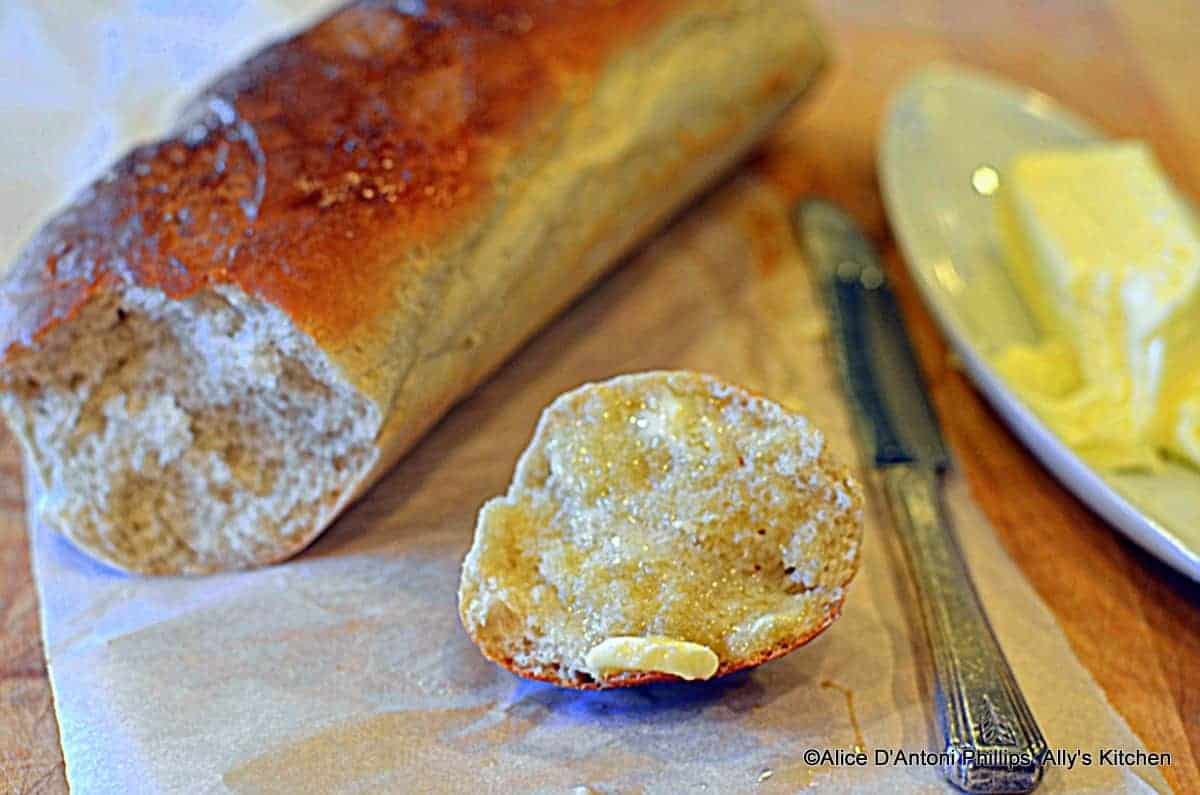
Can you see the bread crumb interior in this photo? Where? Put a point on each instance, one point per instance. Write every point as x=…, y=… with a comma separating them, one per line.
x=186, y=435
x=664, y=504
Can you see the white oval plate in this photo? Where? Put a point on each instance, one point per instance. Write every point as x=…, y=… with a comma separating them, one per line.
x=943, y=125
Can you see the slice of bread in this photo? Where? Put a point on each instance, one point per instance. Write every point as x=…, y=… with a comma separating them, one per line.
x=661, y=505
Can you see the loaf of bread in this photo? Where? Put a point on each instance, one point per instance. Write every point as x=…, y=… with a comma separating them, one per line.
x=661, y=525
x=228, y=337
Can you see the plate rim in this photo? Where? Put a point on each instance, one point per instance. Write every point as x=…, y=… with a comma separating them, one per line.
x=1082, y=480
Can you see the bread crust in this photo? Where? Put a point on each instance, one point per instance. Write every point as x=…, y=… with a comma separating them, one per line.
x=297, y=175
x=636, y=678
x=350, y=176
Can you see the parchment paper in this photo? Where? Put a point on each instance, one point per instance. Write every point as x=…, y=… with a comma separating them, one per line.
x=346, y=669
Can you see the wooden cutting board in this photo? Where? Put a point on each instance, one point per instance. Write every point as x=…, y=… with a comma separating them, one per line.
x=1131, y=67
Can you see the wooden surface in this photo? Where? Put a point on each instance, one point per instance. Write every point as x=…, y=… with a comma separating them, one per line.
x=1132, y=68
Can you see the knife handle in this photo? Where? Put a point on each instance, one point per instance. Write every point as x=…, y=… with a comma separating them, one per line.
x=990, y=737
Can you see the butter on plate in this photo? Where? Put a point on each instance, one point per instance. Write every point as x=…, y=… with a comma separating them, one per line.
x=1107, y=257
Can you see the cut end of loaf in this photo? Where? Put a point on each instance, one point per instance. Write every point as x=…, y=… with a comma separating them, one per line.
x=186, y=436
x=661, y=504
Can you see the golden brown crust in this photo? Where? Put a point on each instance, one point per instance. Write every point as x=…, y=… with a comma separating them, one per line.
x=301, y=173
x=634, y=679
x=348, y=175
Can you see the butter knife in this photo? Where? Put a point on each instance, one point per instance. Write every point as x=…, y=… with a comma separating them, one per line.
x=991, y=741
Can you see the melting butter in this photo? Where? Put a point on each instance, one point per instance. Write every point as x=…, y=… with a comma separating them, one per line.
x=652, y=654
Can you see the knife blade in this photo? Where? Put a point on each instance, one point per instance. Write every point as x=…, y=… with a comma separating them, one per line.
x=991, y=742
x=895, y=421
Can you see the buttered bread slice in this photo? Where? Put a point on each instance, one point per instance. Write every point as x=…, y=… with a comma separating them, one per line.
x=661, y=525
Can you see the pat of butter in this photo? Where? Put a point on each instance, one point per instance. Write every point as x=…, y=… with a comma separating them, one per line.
x=1108, y=259
x=652, y=654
